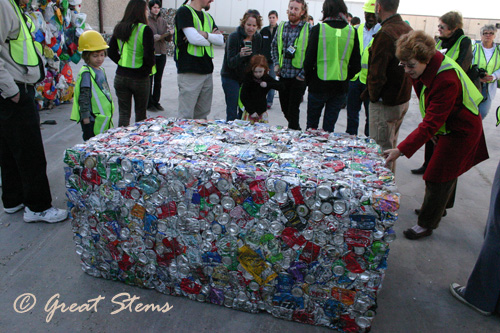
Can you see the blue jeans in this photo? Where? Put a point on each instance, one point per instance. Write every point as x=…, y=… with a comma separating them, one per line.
x=485, y=105
x=232, y=92
x=270, y=94
x=332, y=105
x=354, y=103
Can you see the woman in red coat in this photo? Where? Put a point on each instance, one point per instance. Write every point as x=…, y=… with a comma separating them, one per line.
x=448, y=103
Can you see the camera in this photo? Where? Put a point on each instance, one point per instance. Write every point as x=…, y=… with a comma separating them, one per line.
x=482, y=72
x=290, y=52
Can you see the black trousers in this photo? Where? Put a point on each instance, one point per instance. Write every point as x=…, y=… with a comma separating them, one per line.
x=155, y=93
x=290, y=99
x=22, y=157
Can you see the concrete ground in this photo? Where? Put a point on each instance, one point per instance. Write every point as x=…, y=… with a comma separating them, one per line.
x=40, y=258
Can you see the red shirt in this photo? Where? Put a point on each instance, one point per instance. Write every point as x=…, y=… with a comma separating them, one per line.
x=464, y=146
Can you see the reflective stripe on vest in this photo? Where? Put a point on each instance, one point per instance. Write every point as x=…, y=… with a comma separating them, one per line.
x=102, y=107
x=498, y=115
x=208, y=27
x=471, y=96
x=480, y=59
x=132, y=51
x=363, y=74
x=300, y=45
x=22, y=49
x=334, y=51
x=452, y=52
x=240, y=103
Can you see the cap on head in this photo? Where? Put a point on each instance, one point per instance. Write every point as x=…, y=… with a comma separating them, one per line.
x=91, y=40
x=369, y=6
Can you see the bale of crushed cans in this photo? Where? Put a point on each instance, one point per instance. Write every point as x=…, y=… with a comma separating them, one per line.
x=255, y=218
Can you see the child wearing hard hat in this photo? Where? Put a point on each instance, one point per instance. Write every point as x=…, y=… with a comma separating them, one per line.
x=92, y=103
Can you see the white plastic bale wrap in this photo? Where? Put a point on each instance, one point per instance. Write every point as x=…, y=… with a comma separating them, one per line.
x=257, y=218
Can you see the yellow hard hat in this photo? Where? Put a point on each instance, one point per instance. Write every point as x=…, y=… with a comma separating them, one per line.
x=369, y=6
x=91, y=40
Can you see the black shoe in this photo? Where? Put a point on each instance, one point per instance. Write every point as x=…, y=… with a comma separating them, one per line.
x=417, y=211
x=152, y=108
x=412, y=235
x=419, y=171
x=159, y=107
x=458, y=292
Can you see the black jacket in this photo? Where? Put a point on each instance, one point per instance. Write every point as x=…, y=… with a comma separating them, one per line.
x=253, y=96
x=267, y=39
x=465, y=51
x=234, y=66
x=315, y=84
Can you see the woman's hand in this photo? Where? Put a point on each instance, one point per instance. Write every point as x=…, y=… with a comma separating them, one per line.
x=263, y=84
x=245, y=51
x=487, y=78
x=391, y=155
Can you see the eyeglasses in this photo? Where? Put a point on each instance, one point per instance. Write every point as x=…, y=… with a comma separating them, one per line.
x=488, y=33
x=442, y=27
x=409, y=66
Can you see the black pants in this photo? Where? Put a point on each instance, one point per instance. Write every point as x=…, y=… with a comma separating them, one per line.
x=22, y=157
x=154, y=95
x=438, y=197
x=127, y=88
x=290, y=99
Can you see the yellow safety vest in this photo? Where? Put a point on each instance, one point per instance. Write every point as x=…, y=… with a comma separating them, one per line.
x=480, y=59
x=300, y=45
x=452, y=52
x=208, y=27
x=102, y=107
x=471, y=95
x=132, y=51
x=334, y=51
x=22, y=49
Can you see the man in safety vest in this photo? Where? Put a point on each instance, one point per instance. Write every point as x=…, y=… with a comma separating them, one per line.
x=22, y=156
x=358, y=83
x=288, y=52
x=195, y=35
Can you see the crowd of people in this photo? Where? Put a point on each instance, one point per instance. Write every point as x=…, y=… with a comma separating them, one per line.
x=339, y=60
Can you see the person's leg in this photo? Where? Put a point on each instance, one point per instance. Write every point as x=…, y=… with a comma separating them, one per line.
x=22, y=155
x=140, y=92
x=366, y=103
x=298, y=89
x=436, y=198
x=353, y=106
x=231, y=92
x=315, y=104
x=161, y=60
x=190, y=86
x=270, y=94
x=151, y=101
x=485, y=105
x=204, y=104
x=332, y=109
x=124, y=95
x=378, y=126
x=483, y=286
x=284, y=96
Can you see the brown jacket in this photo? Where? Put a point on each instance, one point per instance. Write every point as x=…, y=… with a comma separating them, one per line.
x=159, y=26
x=386, y=79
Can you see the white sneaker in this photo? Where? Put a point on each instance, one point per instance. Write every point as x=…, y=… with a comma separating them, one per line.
x=13, y=210
x=51, y=215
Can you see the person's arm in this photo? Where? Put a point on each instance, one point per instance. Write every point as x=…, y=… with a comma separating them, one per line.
x=380, y=56
x=301, y=75
x=113, y=51
x=194, y=37
x=216, y=37
x=85, y=98
x=149, y=48
x=233, y=50
x=8, y=88
x=465, y=54
x=440, y=102
x=311, y=57
x=274, y=50
x=272, y=83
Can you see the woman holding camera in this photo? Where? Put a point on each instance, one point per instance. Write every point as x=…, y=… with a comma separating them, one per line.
x=487, y=58
x=457, y=46
x=241, y=45
x=449, y=106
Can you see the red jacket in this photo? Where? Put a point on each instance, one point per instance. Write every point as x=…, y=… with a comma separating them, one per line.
x=464, y=146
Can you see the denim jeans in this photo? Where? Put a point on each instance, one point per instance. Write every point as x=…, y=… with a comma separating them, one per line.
x=485, y=105
x=126, y=88
x=270, y=94
x=155, y=92
x=331, y=103
x=354, y=103
x=232, y=92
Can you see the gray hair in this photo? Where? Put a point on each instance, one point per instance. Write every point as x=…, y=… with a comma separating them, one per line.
x=488, y=27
